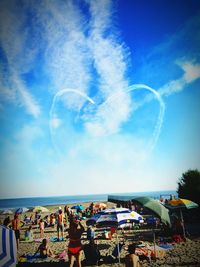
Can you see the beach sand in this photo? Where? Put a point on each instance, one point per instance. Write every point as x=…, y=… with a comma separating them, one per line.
x=182, y=254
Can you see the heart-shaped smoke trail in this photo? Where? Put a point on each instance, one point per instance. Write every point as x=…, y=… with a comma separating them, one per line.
x=130, y=89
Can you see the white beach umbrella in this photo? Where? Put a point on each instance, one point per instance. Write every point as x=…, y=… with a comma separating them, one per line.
x=40, y=209
x=8, y=248
x=7, y=212
x=115, y=217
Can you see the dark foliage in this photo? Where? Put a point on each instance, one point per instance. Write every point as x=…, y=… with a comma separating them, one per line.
x=189, y=186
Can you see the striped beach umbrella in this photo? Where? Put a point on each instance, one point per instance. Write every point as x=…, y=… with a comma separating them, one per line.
x=114, y=217
x=8, y=248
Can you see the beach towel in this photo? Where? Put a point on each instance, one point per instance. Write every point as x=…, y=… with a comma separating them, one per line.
x=55, y=239
x=166, y=246
x=62, y=255
x=33, y=258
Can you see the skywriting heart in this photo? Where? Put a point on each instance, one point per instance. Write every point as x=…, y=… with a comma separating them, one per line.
x=83, y=115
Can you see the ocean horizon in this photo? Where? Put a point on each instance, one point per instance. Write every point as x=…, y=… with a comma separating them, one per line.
x=29, y=202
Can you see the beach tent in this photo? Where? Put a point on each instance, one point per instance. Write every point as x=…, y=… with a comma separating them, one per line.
x=8, y=247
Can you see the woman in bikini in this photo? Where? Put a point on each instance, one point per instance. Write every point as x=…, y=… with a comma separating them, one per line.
x=44, y=250
x=74, y=249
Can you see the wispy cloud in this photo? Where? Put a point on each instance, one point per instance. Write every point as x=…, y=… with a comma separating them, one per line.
x=18, y=56
x=191, y=73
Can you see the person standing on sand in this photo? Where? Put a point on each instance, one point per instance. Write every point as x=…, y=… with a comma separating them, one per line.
x=75, y=247
x=16, y=227
x=41, y=226
x=60, y=224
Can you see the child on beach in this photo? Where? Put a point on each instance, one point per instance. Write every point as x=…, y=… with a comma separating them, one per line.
x=44, y=250
x=132, y=260
x=29, y=234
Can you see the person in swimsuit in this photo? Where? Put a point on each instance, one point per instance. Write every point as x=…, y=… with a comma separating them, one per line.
x=44, y=249
x=132, y=260
x=41, y=226
x=60, y=224
x=74, y=248
x=16, y=223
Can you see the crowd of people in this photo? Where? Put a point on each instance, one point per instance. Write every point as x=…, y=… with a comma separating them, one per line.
x=69, y=220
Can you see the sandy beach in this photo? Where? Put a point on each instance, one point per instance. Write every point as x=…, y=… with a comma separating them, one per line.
x=180, y=254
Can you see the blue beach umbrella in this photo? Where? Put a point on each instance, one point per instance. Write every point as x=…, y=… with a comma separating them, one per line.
x=21, y=210
x=77, y=207
x=114, y=217
x=8, y=248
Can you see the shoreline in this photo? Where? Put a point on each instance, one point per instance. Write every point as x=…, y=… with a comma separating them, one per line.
x=14, y=203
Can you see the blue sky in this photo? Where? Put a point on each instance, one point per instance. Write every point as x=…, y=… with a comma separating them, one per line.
x=98, y=96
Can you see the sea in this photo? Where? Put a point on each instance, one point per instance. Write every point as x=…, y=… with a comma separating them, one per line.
x=29, y=202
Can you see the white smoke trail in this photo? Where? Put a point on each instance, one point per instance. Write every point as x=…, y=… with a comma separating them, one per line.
x=159, y=122
x=106, y=105
x=55, y=99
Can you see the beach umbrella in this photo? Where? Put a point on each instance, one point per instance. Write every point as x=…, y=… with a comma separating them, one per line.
x=180, y=204
x=100, y=206
x=155, y=206
x=40, y=209
x=7, y=211
x=21, y=210
x=114, y=217
x=77, y=207
x=8, y=248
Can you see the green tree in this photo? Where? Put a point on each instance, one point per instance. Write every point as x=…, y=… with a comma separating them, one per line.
x=189, y=186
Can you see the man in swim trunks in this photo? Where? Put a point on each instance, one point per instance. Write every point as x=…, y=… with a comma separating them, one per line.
x=60, y=224
x=74, y=249
x=16, y=223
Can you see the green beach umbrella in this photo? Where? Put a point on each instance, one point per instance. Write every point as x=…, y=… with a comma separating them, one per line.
x=155, y=206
